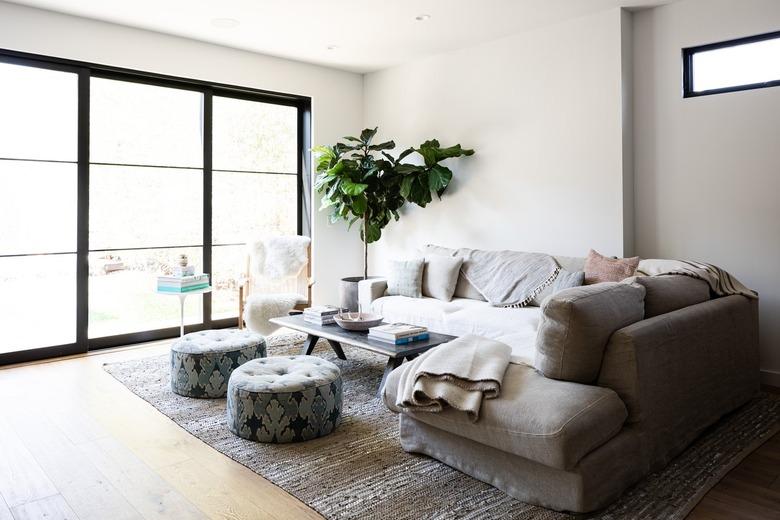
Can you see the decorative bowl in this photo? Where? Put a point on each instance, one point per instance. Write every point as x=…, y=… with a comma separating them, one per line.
x=357, y=320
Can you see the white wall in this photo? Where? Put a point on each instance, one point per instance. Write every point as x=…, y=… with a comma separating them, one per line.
x=707, y=170
x=336, y=95
x=543, y=110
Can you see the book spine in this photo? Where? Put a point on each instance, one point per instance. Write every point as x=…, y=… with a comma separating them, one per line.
x=398, y=336
x=402, y=341
x=182, y=289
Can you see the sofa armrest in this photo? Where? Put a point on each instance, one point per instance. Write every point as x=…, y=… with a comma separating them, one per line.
x=369, y=290
x=681, y=371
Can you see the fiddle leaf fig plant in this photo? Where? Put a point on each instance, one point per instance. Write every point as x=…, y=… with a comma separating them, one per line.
x=359, y=180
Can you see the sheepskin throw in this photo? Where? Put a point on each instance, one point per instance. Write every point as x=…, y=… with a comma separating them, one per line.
x=260, y=308
x=279, y=257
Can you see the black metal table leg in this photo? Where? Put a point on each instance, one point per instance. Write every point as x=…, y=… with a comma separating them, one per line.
x=336, y=346
x=392, y=364
x=308, y=344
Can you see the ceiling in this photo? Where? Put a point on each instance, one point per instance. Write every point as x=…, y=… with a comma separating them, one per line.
x=367, y=34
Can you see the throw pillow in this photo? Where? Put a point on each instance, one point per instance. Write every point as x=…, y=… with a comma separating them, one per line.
x=405, y=278
x=567, y=280
x=440, y=276
x=564, y=280
x=600, y=268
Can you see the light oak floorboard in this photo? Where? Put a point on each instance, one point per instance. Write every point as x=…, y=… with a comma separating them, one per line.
x=50, y=508
x=78, y=434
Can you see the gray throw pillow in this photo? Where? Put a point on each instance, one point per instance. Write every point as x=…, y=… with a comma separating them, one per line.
x=440, y=276
x=405, y=278
x=564, y=280
x=567, y=280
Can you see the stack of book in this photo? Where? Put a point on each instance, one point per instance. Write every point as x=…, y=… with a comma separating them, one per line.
x=321, y=314
x=182, y=284
x=398, y=333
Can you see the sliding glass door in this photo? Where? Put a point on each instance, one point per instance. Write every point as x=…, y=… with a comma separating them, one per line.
x=38, y=207
x=145, y=203
x=107, y=176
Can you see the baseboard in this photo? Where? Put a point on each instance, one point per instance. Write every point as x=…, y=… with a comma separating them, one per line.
x=771, y=378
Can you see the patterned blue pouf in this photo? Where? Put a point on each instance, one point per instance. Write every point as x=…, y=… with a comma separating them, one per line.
x=201, y=362
x=284, y=399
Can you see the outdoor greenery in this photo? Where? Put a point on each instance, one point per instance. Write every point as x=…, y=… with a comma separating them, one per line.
x=361, y=181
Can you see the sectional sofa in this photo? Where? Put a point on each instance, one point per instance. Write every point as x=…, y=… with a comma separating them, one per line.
x=608, y=382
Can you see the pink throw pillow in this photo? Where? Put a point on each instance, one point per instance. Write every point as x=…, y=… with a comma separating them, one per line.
x=600, y=268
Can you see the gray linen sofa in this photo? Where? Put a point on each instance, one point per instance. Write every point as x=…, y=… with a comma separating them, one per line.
x=615, y=381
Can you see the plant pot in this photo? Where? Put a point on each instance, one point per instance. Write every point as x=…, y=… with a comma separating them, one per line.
x=348, y=292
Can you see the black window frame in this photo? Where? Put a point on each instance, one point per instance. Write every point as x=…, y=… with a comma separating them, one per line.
x=689, y=52
x=85, y=71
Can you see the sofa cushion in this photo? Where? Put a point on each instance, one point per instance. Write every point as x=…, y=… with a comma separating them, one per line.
x=406, y=278
x=667, y=293
x=440, y=276
x=515, y=327
x=577, y=323
x=555, y=423
x=463, y=289
x=600, y=268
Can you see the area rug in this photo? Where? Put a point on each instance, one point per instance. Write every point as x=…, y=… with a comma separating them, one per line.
x=360, y=470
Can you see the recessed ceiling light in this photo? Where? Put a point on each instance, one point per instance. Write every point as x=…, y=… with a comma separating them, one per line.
x=225, y=23
x=422, y=17
x=332, y=47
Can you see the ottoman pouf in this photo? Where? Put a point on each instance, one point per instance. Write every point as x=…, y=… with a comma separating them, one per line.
x=284, y=399
x=201, y=362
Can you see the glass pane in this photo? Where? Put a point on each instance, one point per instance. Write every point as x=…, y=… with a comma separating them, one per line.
x=39, y=113
x=122, y=291
x=738, y=65
x=228, y=264
x=132, y=123
x=38, y=304
x=37, y=207
x=249, y=135
x=144, y=207
x=247, y=205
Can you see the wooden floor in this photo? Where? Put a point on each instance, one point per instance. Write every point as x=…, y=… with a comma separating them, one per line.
x=76, y=444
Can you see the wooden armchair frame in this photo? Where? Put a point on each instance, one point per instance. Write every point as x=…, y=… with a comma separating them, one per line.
x=245, y=288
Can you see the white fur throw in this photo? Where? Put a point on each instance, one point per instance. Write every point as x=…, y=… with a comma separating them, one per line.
x=262, y=307
x=279, y=257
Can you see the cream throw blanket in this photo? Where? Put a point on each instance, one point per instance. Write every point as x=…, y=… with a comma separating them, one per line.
x=720, y=282
x=457, y=374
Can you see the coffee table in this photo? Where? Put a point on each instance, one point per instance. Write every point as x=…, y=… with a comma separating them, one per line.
x=335, y=335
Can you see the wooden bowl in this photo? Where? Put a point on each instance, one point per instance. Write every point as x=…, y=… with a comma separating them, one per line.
x=357, y=320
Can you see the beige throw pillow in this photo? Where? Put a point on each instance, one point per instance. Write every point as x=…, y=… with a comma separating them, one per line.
x=405, y=278
x=600, y=268
x=440, y=276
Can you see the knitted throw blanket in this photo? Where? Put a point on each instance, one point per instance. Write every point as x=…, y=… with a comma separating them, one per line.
x=508, y=278
x=720, y=282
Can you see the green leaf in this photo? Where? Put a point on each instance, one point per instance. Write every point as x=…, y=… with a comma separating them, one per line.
x=429, y=155
x=405, y=154
x=406, y=186
x=372, y=232
x=389, y=145
x=353, y=139
x=353, y=188
x=368, y=134
x=406, y=169
x=439, y=177
x=359, y=205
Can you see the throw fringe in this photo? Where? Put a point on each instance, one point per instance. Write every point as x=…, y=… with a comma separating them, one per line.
x=536, y=292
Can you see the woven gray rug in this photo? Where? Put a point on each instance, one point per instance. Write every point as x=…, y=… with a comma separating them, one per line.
x=360, y=470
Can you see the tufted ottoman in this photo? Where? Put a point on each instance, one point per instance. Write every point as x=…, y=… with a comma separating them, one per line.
x=201, y=362
x=284, y=399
